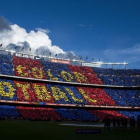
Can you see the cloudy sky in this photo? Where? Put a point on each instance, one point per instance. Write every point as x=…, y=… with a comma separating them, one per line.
x=105, y=29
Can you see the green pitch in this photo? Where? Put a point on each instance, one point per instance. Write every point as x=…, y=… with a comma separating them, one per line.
x=38, y=130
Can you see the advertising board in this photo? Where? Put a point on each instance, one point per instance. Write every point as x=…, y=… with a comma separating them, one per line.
x=60, y=61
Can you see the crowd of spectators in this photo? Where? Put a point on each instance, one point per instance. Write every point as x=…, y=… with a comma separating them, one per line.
x=7, y=90
x=62, y=94
x=26, y=67
x=119, y=77
x=8, y=112
x=6, y=65
x=76, y=114
x=124, y=97
x=32, y=113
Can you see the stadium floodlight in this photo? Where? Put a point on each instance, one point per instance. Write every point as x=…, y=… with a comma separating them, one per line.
x=125, y=63
x=99, y=62
x=7, y=50
x=12, y=51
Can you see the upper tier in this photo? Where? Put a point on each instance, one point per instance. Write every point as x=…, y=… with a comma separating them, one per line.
x=40, y=69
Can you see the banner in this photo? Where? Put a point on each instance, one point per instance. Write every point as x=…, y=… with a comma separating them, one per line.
x=88, y=131
x=60, y=61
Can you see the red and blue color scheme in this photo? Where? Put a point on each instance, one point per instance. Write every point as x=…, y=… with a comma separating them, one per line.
x=62, y=94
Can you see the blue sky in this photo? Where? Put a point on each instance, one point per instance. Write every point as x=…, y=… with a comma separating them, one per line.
x=105, y=29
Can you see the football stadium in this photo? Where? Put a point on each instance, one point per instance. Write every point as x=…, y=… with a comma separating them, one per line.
x=45, y=97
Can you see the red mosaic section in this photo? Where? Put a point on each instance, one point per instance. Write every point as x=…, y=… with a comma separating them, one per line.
x=24, y=91
x=103, y=114
x=38, y=113
x=101, y=97
x=26, y=67
x=91, y=77
x=42, y=93
x=95, y=94
x=32, y=92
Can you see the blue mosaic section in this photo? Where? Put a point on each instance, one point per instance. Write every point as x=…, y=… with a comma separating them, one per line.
x=70, y=98
x=121, y=77
x=7, y=90
x=77, y=95
x=56, y=69
x=6, y=64
x=124, y=97
x=8, y=112
x=130, y=113
x=76, y=114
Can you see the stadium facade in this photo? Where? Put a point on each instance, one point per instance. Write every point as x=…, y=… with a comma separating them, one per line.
x=33, y=88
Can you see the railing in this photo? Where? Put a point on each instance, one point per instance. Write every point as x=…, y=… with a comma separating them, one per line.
x=66, y=83
x=54, y=105
x=73, y=61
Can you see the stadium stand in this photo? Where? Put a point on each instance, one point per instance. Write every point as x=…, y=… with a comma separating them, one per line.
x=42, y=93
x=6, y=65
x=32, y=113
x=8, y=112
x=130, y=77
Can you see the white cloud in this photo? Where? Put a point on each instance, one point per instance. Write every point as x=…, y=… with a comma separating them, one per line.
x=132, y=50
x=43, y=30
x=36, y=39
x=81, y=25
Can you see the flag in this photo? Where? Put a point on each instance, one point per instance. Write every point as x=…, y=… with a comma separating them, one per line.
x=86, y=58
x=62, y=55
x=80, y=57
x=0, y=45
x=30, y=49
x=99, y=59
x=22, y=49
x=55, y=55
x=92, y=58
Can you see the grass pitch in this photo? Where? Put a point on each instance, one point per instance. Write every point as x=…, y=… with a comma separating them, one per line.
x=38, y=130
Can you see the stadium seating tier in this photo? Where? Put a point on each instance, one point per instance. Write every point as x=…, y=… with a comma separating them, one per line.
x=12, y=90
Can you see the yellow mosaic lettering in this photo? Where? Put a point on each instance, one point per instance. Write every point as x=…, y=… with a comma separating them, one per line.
x=57, y=94
x=86, y=96
x=69, y=78
x=42, y=92
x=39, y=74
x=24, y=88
x=19, y=69
x=73, y=96
x=51, y=76
x=80, y=77
x=10, y=92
